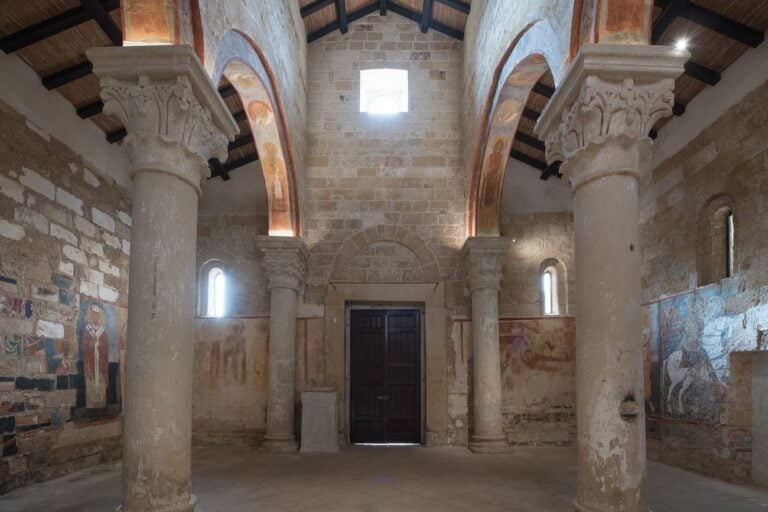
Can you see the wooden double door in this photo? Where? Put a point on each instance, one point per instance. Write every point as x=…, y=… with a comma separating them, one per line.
x=385, y=376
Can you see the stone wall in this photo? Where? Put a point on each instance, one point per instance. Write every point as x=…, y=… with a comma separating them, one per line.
x=366, y=170
x=64, y=245
x=699, y=341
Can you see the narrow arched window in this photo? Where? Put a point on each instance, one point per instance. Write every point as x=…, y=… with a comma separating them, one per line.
x=216, y=305
x=549, y=291
x=730, y=237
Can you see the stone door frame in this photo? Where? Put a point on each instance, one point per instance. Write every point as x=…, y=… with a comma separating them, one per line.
x=430, y=297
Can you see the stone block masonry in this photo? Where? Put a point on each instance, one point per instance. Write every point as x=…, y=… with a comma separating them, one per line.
x=63, y=307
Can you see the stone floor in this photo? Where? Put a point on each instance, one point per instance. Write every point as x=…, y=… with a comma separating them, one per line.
x=377, y=479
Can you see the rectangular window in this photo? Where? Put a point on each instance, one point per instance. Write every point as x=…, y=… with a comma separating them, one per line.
x=384, y=91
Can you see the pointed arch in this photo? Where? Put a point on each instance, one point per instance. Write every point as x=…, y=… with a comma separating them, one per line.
x=534, y=52
x=242, y=63
x=155, y=22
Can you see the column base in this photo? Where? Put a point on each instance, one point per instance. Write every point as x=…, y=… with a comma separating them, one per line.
x=280, y=443
x=480, y=444
x=583, y=508
x=187, y=507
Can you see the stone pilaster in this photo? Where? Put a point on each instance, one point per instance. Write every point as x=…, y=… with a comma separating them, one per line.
x=484, y=258
x=597, y=124
x=285, y=260
x=175, y=122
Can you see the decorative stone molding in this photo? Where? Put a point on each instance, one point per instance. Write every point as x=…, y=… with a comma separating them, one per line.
x=175, y=119
x=483, y=259
x=285, y=260
x=613, y=94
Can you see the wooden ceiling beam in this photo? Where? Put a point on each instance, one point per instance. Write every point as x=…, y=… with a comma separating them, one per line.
x=314, y=7
x=52, y=26
x=240, y=142
x=426, y=15
x=90, y=110
x=67, y=75
x=531, y=114
x=352, y=17
x=105, y=21
x=434, y=25
x=544, y=90
x=529, y=141
x=526, y=159
x=716, y=22
x=672, y=10
x=702, y=73
x=382, y=7
x=235, y=164
x=117, y=135
x=456, y=4
x=341, y=13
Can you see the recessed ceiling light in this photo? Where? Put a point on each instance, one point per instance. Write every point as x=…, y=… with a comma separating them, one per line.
x=681, y=44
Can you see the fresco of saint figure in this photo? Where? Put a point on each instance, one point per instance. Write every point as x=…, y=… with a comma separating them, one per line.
x=94, y=344
x=487, y=215
x=234, y=355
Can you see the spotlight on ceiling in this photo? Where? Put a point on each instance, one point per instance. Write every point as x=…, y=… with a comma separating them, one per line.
x=681, y=44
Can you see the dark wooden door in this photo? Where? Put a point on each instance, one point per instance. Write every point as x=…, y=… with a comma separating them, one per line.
x=385, y=376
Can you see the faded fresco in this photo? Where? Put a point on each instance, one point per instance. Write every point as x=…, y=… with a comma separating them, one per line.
x=538, y=379
x=100, y=341
x=688, y=342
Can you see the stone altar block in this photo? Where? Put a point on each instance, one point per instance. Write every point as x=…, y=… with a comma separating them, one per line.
x=319, y=422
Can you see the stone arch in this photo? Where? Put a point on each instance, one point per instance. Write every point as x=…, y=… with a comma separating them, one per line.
x=240, y=61
x=610, y=22
x=153, y=22
x=534, y=52
x=359, y=241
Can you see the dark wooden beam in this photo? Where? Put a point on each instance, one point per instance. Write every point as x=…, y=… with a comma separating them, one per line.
x=341, y=13
x=67, y=75
x=434, y=25
x=90, y=109
x=227, y=91
x=678, y=109
x=544, y=90
x=217, y=170
x=240, y=116
x=240, y=142
x=533, y=162
x=383, y=7
x=234, y=164
x=317, y=34
x=702, y=73
x=456, y=4
x=52, y=26
x=117, y=135
x=531, y=114
x=352, y=17
x=105, y=21
x=529, y=141
x=671, y=11
x=718, y=23
x=314, y=7
x=426, y=15
x=552, y=169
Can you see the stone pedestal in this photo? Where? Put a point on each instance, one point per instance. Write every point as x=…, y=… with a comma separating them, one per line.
x=597, y=124
x=175, y=121
x=483, y=259
x=319, y=421
x=285, y=264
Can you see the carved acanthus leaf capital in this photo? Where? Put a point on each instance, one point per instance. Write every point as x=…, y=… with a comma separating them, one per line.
x=608, y=109
x=285, y=261
x=483, y=259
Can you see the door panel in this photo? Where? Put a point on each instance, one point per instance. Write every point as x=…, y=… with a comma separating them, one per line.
x=385, y=373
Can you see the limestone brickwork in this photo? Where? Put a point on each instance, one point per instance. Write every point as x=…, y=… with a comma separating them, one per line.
x=701, y=417
x=64, y=246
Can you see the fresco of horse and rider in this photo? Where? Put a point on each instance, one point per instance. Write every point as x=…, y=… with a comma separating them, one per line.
x=688, y=340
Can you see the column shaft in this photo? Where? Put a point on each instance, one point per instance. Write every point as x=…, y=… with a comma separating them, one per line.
x=282, y=366
x=158, y=397
x=486, y=367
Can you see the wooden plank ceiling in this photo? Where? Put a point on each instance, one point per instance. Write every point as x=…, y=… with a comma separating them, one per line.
x=51, y=36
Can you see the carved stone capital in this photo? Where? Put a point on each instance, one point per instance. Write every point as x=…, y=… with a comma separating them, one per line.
x=175, y=119
x=483, y=259
x=285, y=260
x=611, y=98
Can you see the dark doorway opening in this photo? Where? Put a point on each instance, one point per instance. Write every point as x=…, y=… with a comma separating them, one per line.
x=385, y=376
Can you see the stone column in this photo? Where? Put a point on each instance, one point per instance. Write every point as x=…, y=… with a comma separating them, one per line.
x=483, y=260
x=597, y=124
x=175, y=121
x=285, y=264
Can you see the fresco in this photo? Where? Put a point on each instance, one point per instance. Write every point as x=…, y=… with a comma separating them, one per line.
x=490, y=187
x=688, y=340
x=149, y=21
x=535, y=353
x=100, y=342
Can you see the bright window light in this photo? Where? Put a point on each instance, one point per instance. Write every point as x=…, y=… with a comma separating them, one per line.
x=217, y=291
x=681, y=44
x=549, y=292
x=384, y=91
